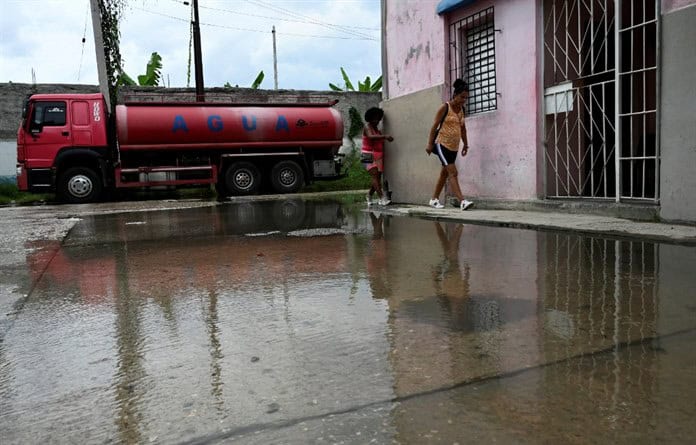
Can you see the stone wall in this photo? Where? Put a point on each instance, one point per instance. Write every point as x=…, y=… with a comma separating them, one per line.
x=13, y=95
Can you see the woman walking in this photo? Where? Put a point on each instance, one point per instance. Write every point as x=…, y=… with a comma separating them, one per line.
x=445, y=134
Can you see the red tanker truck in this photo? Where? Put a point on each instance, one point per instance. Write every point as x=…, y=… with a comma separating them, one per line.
x=68, y=144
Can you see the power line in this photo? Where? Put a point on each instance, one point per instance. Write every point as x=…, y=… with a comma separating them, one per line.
x=309, y=19
x=280, y=18
x=84, y=39
x=250, y=30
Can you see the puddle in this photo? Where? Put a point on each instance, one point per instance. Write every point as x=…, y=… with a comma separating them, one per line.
x=300, y=321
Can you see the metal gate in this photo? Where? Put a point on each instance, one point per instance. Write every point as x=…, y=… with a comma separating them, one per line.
x=600, y=99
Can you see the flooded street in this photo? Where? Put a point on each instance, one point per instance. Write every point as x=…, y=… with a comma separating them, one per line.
x=318, y=322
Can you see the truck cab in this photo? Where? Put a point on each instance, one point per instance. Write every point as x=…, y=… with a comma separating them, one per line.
x=57, y=132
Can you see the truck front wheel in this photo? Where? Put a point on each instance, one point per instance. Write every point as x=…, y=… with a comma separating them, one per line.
x=79, y=185
x=242, y=178
x=287, y=177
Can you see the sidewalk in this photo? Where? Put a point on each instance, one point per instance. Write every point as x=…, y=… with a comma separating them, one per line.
x=558, y=216
x=553, y=220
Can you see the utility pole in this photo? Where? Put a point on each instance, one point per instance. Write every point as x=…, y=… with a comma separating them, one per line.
x=275, y=60
x=197, y=55
x=99, y=50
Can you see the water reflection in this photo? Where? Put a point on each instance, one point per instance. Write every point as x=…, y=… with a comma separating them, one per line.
x=376, y=264
x=203, y=321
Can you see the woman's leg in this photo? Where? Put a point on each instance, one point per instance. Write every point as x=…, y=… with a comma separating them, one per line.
x=440, y=183
x=454, y=183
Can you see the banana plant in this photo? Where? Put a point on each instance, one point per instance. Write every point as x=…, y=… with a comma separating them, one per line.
x=254, y=85
x=152, y=76
x=366, y=86
x=257, y=82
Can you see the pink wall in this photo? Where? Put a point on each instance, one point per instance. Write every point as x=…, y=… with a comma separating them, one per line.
x=672, y=5
x=415, y=43
x=502, y=160
x=504, y=144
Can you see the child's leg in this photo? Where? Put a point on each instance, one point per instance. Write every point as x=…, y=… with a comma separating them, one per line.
x=376, y=185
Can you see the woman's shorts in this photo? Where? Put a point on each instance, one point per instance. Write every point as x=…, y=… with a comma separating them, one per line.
x=445, y=155
x=377, y=161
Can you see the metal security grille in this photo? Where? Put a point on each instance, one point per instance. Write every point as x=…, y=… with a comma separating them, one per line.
x=605, y=291
x=472, y=58
x=587, y=115
x=637, y=86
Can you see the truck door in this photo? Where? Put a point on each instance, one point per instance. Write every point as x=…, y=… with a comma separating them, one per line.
x=49, y=131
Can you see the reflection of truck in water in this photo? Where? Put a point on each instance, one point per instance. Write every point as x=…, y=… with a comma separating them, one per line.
x=158, y=254
x=67, y=143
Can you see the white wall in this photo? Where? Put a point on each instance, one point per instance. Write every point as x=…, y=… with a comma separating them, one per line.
x=8, y=158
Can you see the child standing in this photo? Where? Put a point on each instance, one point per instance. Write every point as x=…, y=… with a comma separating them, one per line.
x=373, y=143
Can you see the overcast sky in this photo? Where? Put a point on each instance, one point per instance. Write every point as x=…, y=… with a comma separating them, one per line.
x=314, y=38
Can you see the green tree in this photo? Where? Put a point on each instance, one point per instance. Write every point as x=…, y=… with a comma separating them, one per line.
x=152, y=76
x=366, y=86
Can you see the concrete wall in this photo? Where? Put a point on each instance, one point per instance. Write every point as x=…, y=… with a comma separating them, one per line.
x=410, y=171
x=414, y=39
x=678, y=116
x=13, y=95
x=503, y=160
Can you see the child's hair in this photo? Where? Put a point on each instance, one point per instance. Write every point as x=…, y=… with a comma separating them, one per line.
x=459, y=87
x=374, y=113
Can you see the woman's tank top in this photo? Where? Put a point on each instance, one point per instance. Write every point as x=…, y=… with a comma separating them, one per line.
x=451, y=130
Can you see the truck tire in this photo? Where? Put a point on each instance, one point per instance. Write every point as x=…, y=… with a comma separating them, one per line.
x=242, y=178
x=78, y=185
x=287, y=177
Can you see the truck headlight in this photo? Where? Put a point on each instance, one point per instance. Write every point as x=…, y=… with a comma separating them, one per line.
x=19, y=170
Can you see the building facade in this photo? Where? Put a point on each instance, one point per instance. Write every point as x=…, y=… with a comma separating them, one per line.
x=574, y=100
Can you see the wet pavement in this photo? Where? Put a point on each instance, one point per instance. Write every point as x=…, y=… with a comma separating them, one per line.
x=315, y=321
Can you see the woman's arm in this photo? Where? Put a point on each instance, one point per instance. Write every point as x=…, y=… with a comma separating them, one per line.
x=465, y=139
x=431, y=137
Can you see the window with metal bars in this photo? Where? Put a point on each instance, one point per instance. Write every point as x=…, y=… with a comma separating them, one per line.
x=472, y=58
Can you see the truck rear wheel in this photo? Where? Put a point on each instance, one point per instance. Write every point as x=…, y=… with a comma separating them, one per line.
x=287, y=177
x=242, y=178
x=79, y=185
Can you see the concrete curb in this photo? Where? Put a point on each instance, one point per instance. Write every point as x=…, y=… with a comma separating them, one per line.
x=545, y=220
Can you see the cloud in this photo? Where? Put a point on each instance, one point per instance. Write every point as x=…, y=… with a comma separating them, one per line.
x=236, y=41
